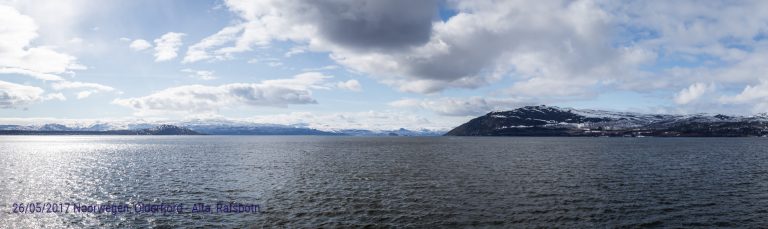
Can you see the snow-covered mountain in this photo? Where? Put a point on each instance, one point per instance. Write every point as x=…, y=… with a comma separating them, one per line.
x=58, y=129
x=398, y=132
x=555, y=121
x=209, y=126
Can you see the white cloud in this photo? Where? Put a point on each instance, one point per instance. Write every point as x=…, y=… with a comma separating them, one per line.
x=556, y=40
x=303, y=81
x=751, y=93
x=14, y=95
x=80, y=85
x=266, y=21
x=272, y=62
x=200, y=98
x=753, y=96
x=167, y=45
x=323, y=68
x=693, y=26
x=87, y=89
x=59, y=21
x=200, y=50
x=18, y=56
x=140, y=44
x=351, y=85
x=55, y=96
x=84, y=94
x=548, y=87
x=33, y=74
x=472, y=106
x=693, y=93
x=295, y=50
x=263, y=60
x=552, y=49
x=200, y=74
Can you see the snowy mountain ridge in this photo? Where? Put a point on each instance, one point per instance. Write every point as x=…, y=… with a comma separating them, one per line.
x=214, y=127
x=545, y=120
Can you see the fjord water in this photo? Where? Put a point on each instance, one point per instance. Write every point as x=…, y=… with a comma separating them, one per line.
x=305, y=181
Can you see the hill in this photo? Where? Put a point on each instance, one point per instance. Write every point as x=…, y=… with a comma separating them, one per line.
x=555, y=121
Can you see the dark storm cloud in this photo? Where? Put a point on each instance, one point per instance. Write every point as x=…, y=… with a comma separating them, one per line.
x=375, y=24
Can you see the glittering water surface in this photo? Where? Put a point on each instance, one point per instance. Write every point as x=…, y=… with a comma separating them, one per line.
x=392, y=181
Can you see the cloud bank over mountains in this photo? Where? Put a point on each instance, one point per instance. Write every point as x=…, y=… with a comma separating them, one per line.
x=200, y=98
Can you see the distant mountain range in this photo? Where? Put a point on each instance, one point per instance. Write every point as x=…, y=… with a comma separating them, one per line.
x=525, y=121
x=58, y=129
x=555, y=121
x=196, y=127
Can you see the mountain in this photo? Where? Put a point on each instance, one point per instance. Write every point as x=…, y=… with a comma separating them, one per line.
x=398, y=132
x=167, y=130
x=253, y=129
x=228, y=127
x=555, y=121
x=208, y=127
x=54, y=127
x=58, y=129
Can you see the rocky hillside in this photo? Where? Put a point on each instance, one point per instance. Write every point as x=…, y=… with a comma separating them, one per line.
x=554, y=121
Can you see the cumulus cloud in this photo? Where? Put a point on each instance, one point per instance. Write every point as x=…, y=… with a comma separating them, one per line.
x=202, y=50
x=361, y=25
x=140, y=44
x=86, y=89
x=751, y=93
x=693, y=93
x=200, y=98
x=18, y=56
x=753, y=96
x=58, y=21
x=14, y=95
x=693, y=27
x=560, y=48
x=411, y=50
x=167, y=45
x=472, y=106
x=351, y=85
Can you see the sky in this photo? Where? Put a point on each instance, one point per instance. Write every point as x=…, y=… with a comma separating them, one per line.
x=376, y=64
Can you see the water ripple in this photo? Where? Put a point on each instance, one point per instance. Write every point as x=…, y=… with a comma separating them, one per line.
x=392, y=182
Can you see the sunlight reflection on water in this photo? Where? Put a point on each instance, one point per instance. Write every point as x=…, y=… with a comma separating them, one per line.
x=418, y=182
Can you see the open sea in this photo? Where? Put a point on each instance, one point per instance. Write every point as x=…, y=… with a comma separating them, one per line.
x=307, y=181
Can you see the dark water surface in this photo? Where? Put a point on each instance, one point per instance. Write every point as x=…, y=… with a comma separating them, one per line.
x=391, y=181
